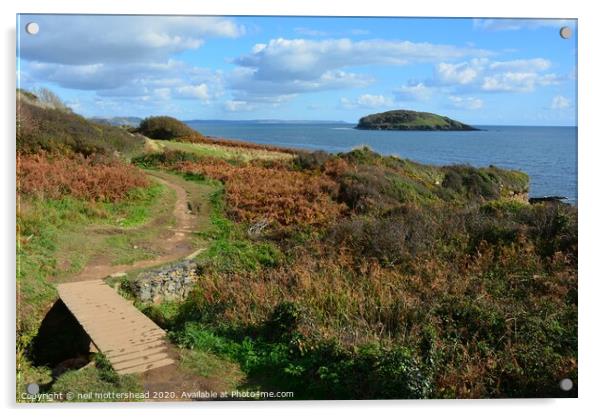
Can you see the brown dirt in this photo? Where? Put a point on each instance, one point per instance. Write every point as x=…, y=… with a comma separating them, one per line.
x=168, y=383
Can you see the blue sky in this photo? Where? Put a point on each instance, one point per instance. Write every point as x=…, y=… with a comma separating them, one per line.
x=480, y=71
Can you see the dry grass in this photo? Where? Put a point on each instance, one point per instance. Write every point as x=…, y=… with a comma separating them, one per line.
x=227, y=152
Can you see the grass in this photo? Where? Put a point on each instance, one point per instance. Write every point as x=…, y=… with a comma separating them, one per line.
x=223, y=372
x=228, y=153
x=90, y=383
x=229, y=248
x=40, y=127
x=119, y=233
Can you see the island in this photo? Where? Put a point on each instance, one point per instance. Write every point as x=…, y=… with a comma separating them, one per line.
x=410, y=120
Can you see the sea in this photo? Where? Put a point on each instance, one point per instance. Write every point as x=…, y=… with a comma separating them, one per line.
x=548, y=154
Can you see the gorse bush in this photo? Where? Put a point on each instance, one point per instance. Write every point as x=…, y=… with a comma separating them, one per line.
x=487, y=183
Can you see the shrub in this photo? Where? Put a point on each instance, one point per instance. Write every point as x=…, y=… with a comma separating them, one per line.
x=283, y=321
x=167, y=158
x=166, y=128
x=484, y=183
x=392, y=240
x=470, y=182
x=311, y=161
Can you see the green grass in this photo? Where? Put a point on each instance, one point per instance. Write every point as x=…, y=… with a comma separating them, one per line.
x=137, y=209
x=327, y=371
x=230, y=250
x=212, y=366
x=119, y=233
x=83, y=384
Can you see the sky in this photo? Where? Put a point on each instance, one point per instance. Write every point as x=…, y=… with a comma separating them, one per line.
x=479, y=71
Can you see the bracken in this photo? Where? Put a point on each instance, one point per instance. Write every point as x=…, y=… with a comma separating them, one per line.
x=88, y=178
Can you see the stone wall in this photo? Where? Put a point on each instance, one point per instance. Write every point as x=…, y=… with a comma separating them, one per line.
x=169, y=283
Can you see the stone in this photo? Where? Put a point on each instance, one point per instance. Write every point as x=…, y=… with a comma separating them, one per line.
x=169, y=283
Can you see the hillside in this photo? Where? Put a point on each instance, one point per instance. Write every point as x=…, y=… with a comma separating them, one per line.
x=410, y=120
x=50, y=126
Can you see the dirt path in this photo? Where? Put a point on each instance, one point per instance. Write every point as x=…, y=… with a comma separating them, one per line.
x=173, y=246
x=173, y=243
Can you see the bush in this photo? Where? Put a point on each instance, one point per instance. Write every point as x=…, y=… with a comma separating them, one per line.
x=470, y=182
x=284, y=321
x=393, y=240
x=484, y=183
x=311, y=161
x=167, y=158
x=166, y=128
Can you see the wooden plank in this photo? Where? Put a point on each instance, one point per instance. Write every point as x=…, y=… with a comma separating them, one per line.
x=131, y=341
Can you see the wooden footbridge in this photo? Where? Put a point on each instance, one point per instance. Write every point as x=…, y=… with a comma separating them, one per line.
x=132, y=342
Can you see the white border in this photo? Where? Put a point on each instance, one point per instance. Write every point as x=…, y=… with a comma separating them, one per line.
x=589, y=194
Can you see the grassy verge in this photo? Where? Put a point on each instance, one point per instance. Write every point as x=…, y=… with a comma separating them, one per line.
x=230, y=250
x=116, y=232
x=229, y=153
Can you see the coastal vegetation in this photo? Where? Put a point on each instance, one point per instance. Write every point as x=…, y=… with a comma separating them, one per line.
x=420, y=282
x=335, y=276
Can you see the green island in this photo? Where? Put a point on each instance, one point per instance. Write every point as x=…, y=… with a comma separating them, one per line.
x=410, y=120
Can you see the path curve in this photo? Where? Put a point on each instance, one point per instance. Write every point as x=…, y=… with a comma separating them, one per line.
x=176, y=246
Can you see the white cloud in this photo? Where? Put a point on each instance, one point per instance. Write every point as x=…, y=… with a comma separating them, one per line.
x=560, y=102
x=92, y=39
x=173, y=79
x=125, y=56
x=462, y=73
x=467, y=103
x=413, y=92
x=536, y=64
x=247, y=87
x=238, y=105
x=496, y=76
x=521, y=82
x=310, y=32
x=369, y=101
x=307, y=59
x=292, y=66
x=518, y=24
x=200, y=92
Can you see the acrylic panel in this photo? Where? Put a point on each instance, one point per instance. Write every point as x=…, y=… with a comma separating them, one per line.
x=295, y=208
